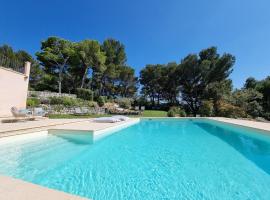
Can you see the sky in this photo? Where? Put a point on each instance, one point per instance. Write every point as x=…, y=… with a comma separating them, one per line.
x=153, y=31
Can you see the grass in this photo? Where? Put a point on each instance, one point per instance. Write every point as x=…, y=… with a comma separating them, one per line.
x=146, y=113
x=154, y=113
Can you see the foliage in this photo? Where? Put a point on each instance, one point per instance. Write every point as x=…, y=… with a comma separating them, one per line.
x=197, y=72
x=66, y=101
x=250, y=83
x=54, y=56
x=124, y=102
x=85, y=94
x=248, y=100
x=206, y=108
x=101, y=100
x=176, y=111
x=263, y=87
x=90, y=55
x=228, y=110
x=32, y=102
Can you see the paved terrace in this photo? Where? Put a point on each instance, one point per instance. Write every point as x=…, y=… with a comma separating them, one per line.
x=265, y=126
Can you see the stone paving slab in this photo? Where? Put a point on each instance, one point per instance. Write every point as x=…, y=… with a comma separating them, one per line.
x=15, y=189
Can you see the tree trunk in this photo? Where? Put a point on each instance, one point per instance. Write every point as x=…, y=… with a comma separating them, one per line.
x=60, y=83
x=84, y=77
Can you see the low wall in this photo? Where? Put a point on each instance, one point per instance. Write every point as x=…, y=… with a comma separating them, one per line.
x=13, y=89
x=44, y=94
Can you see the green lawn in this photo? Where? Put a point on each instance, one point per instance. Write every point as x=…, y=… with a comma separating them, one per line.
x=146, y=113
x=154, y=113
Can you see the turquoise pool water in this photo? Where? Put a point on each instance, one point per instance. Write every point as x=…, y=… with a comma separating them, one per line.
x=155, y=159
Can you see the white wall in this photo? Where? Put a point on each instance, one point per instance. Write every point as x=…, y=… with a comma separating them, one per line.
x=13, y=89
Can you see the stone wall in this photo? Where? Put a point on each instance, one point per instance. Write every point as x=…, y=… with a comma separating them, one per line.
x=46, y=94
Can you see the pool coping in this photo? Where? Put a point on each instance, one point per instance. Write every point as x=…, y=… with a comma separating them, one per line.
x=14, y=189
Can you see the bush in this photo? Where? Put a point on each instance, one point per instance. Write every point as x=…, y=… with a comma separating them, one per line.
x=85, y=94
x=32, y=102
x=101, y=101
x=124, y=102
x=65, y=101
x=171, y=113
x=206, y=109
x=176, y=111
x=228, y=110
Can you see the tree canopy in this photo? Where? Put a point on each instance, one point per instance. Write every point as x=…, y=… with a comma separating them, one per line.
x=198, y=84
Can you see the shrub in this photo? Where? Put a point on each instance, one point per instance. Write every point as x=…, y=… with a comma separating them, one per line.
x=254, y=109
x=124, y=102
x=101, y=101
x=228, y=110
x=65, y=101
x=206, y=109
x=171, y=113
x=32, y=102
x=55, y=100
x=176, y=111
x=85, y=94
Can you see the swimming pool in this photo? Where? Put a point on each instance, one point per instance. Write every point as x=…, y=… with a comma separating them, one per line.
x=154, y=159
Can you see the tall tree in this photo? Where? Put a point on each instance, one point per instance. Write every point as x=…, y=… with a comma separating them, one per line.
x=115, y=59
x=90, y=57
x=127, y=82
x=250, y=83
x=151, y=79
x=197, y=72
x=54, y=56
x=263, y=87
x=170, y=83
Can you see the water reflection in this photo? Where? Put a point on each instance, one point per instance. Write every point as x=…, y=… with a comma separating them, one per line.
x=255, y=149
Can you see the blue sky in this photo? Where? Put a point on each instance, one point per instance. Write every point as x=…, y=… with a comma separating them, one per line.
x=153, y=31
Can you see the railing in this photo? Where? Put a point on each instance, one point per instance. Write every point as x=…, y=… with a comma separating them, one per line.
x=14, y=64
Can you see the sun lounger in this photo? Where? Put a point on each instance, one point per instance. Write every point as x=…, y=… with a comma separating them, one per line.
x=39, y=112
x=106, y=120
x=20, y=113
x=121, y=117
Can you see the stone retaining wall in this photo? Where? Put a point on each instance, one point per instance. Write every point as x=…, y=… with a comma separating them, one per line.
x=46, y=94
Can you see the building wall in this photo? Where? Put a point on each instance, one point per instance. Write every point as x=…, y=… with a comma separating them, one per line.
x=13, y=89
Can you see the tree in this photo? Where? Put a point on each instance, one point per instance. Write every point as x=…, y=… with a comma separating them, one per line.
x=249, y=100
x=250, y=83
x=127, y=82
x=151, y=79
x=54, y=56
x=170, y=83
x=218, y=91
x=264, y=88
x=197, y=72
x=115, y=59
x=91, y=57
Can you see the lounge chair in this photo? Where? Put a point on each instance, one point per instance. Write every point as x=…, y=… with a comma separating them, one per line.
x=137, y=108
x=39, y=112
x=106, y=120
x=20, y=113
x=142, y=108
x=121, y=117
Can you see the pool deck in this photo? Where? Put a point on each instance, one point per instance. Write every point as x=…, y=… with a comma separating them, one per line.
x=14, y=189
x=265, y=126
